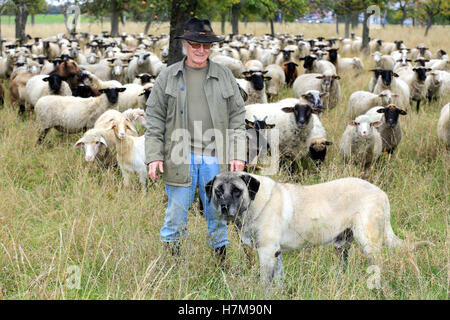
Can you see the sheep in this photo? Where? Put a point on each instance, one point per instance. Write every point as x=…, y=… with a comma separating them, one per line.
x=72, y=114
x=140, y=63
x=253, y=65
x=7, y=65
x=443, y=128
x=421, y=51
x=321, y=82
x=137, y=116
x=297, y=122
x=277, y=79
x=132, y=96
x=441, y=54
x=131, y=157
x=360, y=142
x=257, y=144
x=439, y=64
x=235, y=65
x=96, y=144
x=415, y=79
x=51, y=49
x=361, y=101
x=387, y=80
x=286, y=54
x=345, y=64
x=43, y=85
x=389, y=130
x=17, y=90
x=268, y=56
x=254, y=86
x=438, y=84
x=92, y=80
x=385, y=62
x=314, y=97
x=70, y=71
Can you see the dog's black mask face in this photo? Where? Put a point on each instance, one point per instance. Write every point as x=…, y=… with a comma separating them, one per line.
x=232, y=193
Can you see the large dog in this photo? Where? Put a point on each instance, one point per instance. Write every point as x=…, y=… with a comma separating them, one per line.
x=274, y=217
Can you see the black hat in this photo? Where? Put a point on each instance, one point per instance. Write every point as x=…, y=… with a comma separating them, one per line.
x=199, y=30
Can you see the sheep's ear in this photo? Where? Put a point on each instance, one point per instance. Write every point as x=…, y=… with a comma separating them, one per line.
x=142, y=93
x=121, y=89
x=319, y=77
x=111, y=65
x=375, y=124
x=429, y=69
x=395, y=75
x=402, y=112
x=328, y=143
x=288, y=109
x=414, y=69
x=304, y=96
x=324, y=94
x=316, y=111
x=336, y=77
x=101, y=90
x=249, y=124
x=79, y=144
x=103, y=141
x=353, y=123
x=380, y=110
x=264, y=72
x=267, y=78
x=270, y=126
x=46, y=79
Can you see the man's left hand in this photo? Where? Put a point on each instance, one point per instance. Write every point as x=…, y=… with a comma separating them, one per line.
x=237, y=165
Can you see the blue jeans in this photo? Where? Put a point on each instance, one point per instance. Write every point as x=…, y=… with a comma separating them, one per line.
x=202, y=170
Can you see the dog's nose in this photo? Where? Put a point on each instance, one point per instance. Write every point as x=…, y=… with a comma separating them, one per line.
x=224, y=209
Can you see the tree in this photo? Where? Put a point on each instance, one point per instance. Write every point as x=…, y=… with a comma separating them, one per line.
x=405, y=6
x=429, y=9
x=115, y=8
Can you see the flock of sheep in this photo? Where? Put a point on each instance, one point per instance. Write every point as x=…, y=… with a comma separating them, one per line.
x=99, y=85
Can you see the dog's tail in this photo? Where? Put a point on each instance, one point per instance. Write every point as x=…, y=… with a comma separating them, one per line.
x=392, y=241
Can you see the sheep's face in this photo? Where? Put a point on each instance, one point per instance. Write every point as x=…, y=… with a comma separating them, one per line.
x=391, y=114
x=308, y=61
x=145, y=78
x=398, y=44
x=386, y=97
x=91, y=147
x=54, y=82
x=364, y=126
x=141, y=58
x=122, y=127
x=386, y=76
x=92, y=58
x=287, y=54
x=57, y=62
x=112, y=93
x=327, y=82
x=82, y=91
x=421, y=73
x=257, y=79
x=315, y=98
x=302, y=114
x=333, y=55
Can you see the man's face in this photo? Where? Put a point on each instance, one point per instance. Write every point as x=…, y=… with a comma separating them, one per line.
x=197, y=53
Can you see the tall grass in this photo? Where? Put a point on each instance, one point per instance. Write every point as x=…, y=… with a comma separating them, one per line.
x=60, y=217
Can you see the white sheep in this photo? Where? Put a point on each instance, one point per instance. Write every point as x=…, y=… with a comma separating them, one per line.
x=297, y=122
x=360, y=142
x=43, y=85
x=415, y=78
x=132, y=97
x=443, y=128
x=254, y=86
x=385, y=62
x=235, y=65
x=390, y=130
x=388, y=80
x=361, y=101
x=321, y=82
x=92, y=80
x=72, y=114
x=278, y=78
x=438, y=84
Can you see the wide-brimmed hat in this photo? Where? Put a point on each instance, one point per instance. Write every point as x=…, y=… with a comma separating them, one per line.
x=199, y=30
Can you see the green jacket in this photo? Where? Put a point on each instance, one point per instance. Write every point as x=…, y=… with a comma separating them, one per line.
x=167, y=112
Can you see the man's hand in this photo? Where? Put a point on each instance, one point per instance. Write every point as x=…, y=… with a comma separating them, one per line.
x=237, y=165
x=152, y=166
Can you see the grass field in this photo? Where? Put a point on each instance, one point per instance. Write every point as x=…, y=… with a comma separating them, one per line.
x=60, y=217
x=47, y=19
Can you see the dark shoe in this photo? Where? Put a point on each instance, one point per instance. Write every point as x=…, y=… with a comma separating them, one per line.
x=173, y=247
x=221, y=253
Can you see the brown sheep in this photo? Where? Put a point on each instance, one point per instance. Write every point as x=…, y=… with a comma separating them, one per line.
x=17, y=89
x=70, y=71
x=290, y=71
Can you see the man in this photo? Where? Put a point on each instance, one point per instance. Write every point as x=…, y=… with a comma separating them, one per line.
x=198, y=101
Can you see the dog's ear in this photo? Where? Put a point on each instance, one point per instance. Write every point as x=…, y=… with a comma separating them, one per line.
x=252, y=185
x=209, y=188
